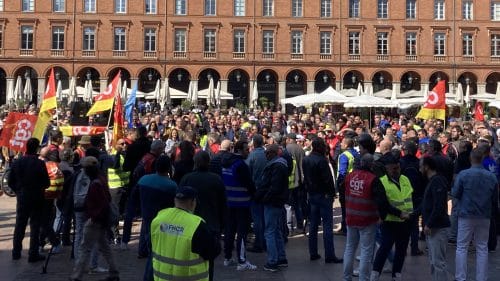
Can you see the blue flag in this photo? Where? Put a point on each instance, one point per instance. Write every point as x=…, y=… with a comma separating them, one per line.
x=129, y=106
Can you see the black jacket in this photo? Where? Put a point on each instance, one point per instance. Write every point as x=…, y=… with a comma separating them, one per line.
x=135, y=152
x=242, y=172
x=274, y=190
x=29, y=178
x=215, y=163
x=410, y=166
x=434, y=205
x=317, y=175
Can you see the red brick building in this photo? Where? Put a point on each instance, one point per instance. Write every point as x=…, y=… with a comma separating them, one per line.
x=290, y=47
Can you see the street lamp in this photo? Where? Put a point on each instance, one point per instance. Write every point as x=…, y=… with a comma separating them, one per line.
x=381, y=79
x=325, y=78
x=268, y=77
x=179, y=76
x=27, y=74
x=296, y=78
x=58, y=75
x=209, y=76
x=89, y=75
x=467, y=80
x=150, y=75
x=238, y=76
x=410, y=79
x=353, y=79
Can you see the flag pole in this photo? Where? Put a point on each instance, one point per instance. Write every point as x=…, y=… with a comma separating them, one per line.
x=106, y=135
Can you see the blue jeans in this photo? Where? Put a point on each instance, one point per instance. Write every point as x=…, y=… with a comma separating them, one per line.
x=80, y=220
x=257, y=210
x=273, y=218
x=321, y=210
x=366, y=237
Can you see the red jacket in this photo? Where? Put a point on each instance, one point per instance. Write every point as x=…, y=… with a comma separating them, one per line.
x=361, y=209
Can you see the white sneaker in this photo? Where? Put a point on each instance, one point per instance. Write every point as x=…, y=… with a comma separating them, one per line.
x=98, y=269
x=397, y=277
x=246, y=266
x=123, y=246
x=355, y=273
x=375, y=276
x=229, y=262
x=387, y=268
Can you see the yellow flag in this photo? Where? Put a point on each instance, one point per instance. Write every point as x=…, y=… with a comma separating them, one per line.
x=41, y=124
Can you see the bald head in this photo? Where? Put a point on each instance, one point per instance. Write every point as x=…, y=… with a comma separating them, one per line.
x=385, y=146
x=225, y=145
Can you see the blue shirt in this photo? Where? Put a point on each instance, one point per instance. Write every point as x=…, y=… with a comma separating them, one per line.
x=157, y=193
x=344, y=162
x=256, y=162
x=477, y=192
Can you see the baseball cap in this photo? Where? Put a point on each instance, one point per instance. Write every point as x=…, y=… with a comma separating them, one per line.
x=89, y=161
x=185, y=192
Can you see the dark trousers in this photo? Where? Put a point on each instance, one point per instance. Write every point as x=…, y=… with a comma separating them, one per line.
x=342, y=207
x=47, y=223
x=298, y=202
x=393, y=233
x=134, y=202
x=492, y=239
x=27, y=211
x=257, y=210
x=116, y=198
x=237, y=224
x=414, y=234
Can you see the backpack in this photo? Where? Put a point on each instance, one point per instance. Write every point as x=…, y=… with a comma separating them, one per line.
x=82, y=184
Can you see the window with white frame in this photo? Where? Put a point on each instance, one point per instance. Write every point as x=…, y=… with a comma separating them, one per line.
x=354, y=42
x=325, y=43
x=382, y=9
x=28, y=5
x=267, y=8
x=268, y=41
x=150, y=39
x=411, y=43
x=180, y=40
x=209, y=45
x=120, y=39
x=297, y=42
x=88, y=38
x=1, y=5
x=120, y=6
x=439, y=44
x=210, y=7
x=58, y=5
x=495, y=45
x=382, y=43
x=467, y=44
x=354, y=8
x=495, y=10
x=239, y=8
x=26, y=37
x=89, y=6
x=326, y=8
x=239, y=41
x=439, y=9
x=150, y=6
x=181, y=7
x=411, y=9
x=57, y=38
x=467, y=9
x=296, y=8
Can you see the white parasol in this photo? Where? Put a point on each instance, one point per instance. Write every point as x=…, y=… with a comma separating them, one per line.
x=211, y=94
x=28, y=90
x=255, y=95
x=18, y=89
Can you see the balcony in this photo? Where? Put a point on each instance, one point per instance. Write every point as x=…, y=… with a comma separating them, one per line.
x=239, y=56
x=325, y=57
x=150, y=54
x=209, y=55
x=296, y=56
x=469, y=59
x=268, y=56
x=411, y=58
x=495, y=59
x=354, y=57
x=439, y=58
x=57, y=53
x=26, y=53
x=88, y=53
x=119, y=54
x=180, y=55
x=382, y=57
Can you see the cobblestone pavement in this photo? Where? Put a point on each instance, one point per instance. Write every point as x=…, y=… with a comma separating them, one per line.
x=131, y=268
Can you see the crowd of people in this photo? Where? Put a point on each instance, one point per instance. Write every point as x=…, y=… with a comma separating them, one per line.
x=203, y=178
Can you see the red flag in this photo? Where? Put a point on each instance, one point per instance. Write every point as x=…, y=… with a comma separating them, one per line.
x=118, y=122
x=17, y=130
x=479, y=111
x=104, y=101
x=435, y=106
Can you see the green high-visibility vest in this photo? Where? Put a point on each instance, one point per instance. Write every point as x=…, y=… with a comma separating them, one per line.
x=171, y=237
x=291, y=177
x=118, y=177
x=350, y=165
x=400, y=199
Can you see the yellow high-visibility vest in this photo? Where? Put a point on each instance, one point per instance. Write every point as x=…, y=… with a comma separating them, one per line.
x=350, y=165
x=118, y=177
x=400, y=199
x=171, y=237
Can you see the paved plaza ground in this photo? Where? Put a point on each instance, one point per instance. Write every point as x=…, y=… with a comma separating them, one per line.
x=131, y=268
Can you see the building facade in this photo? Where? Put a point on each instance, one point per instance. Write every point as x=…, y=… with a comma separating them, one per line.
x=283, y=47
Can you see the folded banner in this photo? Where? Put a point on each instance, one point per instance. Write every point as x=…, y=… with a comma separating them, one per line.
x=17, y=130
x=74, y=131
x=435, y=106
x=104, y=101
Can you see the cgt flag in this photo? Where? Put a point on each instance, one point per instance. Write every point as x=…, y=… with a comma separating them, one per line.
x=435, y=106
x=479, y=111
x=104, y=101
x=17, y=130
x=118, y=122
